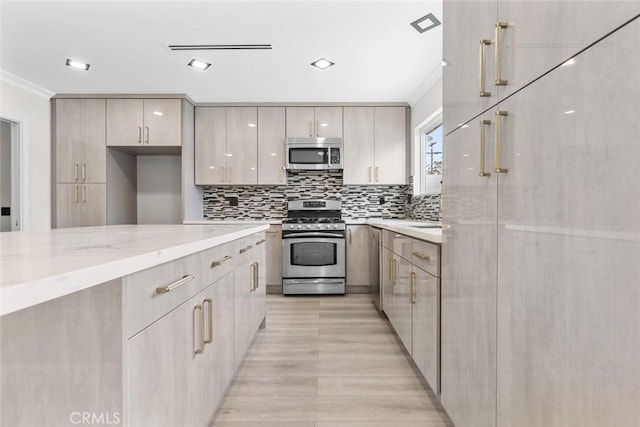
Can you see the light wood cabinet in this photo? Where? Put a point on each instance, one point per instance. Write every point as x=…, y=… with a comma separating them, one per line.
x=226, y=145
x=271, y=146
x=387, y=269
x=273, y=261
x=357, y=252
x=80, y=205
x=374, y=266
x=80, y=149
x=375, y=140
x=144, y=122
x=308, y=122
x=402, y=310
x=425, y=340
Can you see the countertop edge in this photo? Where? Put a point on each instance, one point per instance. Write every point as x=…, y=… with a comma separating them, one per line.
x=24, y=295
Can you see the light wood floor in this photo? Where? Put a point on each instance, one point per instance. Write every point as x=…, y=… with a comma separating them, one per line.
x=327, y=362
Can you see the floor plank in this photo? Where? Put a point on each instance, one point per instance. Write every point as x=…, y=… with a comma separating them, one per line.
x=327, y=362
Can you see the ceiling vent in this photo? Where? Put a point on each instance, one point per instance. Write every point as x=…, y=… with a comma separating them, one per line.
x=425, y=23
x=220, y=46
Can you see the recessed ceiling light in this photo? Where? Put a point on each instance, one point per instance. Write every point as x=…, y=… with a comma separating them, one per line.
x=322, y=63
x=77, y=64
x=568, y=62
x=201, y=65
x=444, y=63
x=425, y=23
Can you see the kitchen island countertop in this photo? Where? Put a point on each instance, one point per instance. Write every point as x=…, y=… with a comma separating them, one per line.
x=38, y=266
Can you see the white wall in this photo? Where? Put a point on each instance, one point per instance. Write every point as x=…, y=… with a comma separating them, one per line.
x=29, y=105
x=422, y=108
x=159, y=192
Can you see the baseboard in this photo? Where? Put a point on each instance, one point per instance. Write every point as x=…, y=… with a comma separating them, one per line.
x=274, y=289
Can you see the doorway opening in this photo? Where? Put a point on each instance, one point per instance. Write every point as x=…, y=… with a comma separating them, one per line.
x=10, y=176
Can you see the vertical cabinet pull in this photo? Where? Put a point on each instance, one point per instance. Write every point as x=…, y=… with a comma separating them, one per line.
x=284, y=174
x=75, y=194
x=75, y=172
x=310, y=128
x=483, y=140
x=229, y=173
x=222, y=174
x=389, y=276
x=84, y=194
x=146, y=140
x=394, y=271
x=84, y=171
x=198, y=329
x=483, y=44
x=139, y=134
x=208, y=302
x=498, y=57
x=317, y=128
x=370, y=173
x=257, y=275
x=498, y=149
x=412, y=278
x=377, y=174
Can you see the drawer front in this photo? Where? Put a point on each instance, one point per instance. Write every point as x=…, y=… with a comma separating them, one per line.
x=397, y=243
x=219, y=261
x=245, y=248
x=426, y=256
x=150, y=294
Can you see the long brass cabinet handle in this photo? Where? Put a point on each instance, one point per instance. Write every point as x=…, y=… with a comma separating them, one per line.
x=198, y=337
x=146, y=128
x=310, y=128
x=498, y=160
x=259, y=242
x=208, y=302
x=75, y=172
x=395, y=272
x=252, y=277
x=139, y=134
x=84, y=171
x=483, y=143
x=243, y=250
x=370, y=174
x=75, y=194
x=317, y=128
x=377, y=174
x=175, y=285
x=257, y=275
x=498, y=57
x=483, y=91
x=412, y=279
x=84, y=194
x=222, y=176
x=389, y=276
x=422, y=256
x=229, y=170
x=219, y=262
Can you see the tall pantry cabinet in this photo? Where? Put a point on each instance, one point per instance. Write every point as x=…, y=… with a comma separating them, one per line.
x=540, y=323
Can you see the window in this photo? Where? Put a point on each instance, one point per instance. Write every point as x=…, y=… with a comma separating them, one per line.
x=428, y=159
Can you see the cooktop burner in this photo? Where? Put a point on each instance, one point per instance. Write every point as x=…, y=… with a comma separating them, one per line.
x=312, y=220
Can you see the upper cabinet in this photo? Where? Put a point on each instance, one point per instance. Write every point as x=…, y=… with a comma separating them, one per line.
x=375, y=141
x=324, y=122
x=79, y=147
x=271, y=151
x=516, y=42
x=144, y=122
x=226, y=145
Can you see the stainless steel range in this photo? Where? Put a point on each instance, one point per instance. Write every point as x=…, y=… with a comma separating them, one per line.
x=313, y=248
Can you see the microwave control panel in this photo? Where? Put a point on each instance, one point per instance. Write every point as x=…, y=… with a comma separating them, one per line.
x=335, y=156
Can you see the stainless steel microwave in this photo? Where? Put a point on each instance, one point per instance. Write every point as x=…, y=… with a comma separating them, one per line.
x=314, y=153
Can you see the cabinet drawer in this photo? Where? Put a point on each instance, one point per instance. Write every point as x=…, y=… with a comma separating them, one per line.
x=218, y=261
x=397, y=243
x=426, y=256
x=150, y=294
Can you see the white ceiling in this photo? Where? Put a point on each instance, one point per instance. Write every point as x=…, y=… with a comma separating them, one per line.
x=379, y=57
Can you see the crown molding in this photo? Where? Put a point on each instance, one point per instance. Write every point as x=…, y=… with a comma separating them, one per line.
x=26, y=85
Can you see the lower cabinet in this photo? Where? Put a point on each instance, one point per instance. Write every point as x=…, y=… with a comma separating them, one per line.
x=274, y=259
x=80, y=205
x=357, y=252
x=411, y=300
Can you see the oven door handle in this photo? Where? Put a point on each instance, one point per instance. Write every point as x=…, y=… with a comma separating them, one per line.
x=312, y=234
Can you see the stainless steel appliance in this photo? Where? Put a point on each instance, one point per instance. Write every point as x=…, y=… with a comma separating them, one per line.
x=314, y=153
x=313, y=248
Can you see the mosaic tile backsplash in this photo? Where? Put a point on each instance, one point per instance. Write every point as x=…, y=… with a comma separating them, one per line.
x=259, y=202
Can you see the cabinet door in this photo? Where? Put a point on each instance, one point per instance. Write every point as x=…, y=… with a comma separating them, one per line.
x=328, y=122
x=271, y=151
x=242, y=145
x=93, y=203
x=390, y=145
x=125, y=122
x=402, y=319
x=542, y=34
x=359, y=139
x=300, y=122
x=274, y=256
x=242, y=285
x=386, y=281
x=468, y=23
x=358, y=255
x=68, y=210
x=426, y=326
x=163, y=122
x=258, y=295
x=211, y=143
x=223, y=337
x=374, y=264
x=469, y=210
x=160, y=359
x=81, y=154
x=568, y=323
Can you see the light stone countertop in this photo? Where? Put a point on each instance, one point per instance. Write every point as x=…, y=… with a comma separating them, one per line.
x=38, y=266
x=233, y=221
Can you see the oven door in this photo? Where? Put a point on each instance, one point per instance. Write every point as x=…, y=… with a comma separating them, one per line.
x=308, y=255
